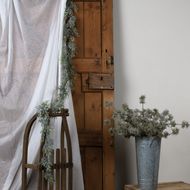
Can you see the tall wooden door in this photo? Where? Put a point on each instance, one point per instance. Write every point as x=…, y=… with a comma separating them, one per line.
x=93, y=92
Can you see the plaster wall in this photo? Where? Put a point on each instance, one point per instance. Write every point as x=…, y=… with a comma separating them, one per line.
x=152, y=57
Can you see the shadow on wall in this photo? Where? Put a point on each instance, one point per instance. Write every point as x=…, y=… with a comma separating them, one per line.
x=124, y=149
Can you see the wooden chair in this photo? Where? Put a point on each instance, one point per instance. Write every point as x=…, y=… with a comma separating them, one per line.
x=62, y=166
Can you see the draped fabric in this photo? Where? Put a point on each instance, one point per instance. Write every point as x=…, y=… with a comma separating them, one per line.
x=30, y=43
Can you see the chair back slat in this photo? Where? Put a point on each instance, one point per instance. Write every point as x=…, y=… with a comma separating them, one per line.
x=45, y=185
x=70, y=158
x=57, y=169
x=62, y=157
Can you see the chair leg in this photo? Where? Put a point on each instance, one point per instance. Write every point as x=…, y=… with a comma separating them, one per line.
x=57, y=169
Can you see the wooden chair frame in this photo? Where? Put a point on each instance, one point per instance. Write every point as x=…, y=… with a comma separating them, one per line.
x=62, y=166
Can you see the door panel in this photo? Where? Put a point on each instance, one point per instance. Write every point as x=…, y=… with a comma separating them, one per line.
x=92, y=31
x=93, y=92
x=80, y=28
x=93, y=166
x=93, y=112
x=78, y=101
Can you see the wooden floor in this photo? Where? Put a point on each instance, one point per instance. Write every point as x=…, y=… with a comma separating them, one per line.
x=164, y=186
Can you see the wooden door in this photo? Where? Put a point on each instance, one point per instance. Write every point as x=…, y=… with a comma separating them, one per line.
x=93, y=92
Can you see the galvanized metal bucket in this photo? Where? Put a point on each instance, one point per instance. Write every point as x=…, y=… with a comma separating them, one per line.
x=148, y=157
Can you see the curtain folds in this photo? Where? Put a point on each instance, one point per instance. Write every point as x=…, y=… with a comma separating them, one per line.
x=30, y=43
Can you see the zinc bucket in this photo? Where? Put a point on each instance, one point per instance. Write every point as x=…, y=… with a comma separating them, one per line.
x=148, y=157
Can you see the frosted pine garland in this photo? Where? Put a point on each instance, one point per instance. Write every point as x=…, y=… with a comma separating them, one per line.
x=68, y=52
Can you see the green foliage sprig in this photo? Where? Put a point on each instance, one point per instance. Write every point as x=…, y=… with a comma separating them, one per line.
x=68, y=52
x=66, y=83
x=47, y=149
x=144, y=122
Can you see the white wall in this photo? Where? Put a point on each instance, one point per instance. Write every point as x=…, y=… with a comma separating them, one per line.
x=152, y=57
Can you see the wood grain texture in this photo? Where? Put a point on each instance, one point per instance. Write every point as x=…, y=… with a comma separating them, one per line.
x=101, y=81
x=93, y=111
x=58, y=180
x=93, y=168
x=89, y=138
x=87, y=65
x=93, y=102
x=80, y=27
x=107, y=35
x=92, y=30
x=85, y=82
x=164, y=186
x=78, y=101
x=108, y=143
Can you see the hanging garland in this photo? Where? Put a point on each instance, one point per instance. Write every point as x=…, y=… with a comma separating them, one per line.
x=67, y=75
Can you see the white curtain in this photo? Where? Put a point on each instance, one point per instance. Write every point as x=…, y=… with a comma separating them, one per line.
x=30, y=43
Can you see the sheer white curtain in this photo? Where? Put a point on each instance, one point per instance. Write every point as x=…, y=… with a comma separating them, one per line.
x=30, y=42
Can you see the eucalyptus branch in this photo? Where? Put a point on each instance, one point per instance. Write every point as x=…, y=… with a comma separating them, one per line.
x=145, y=122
